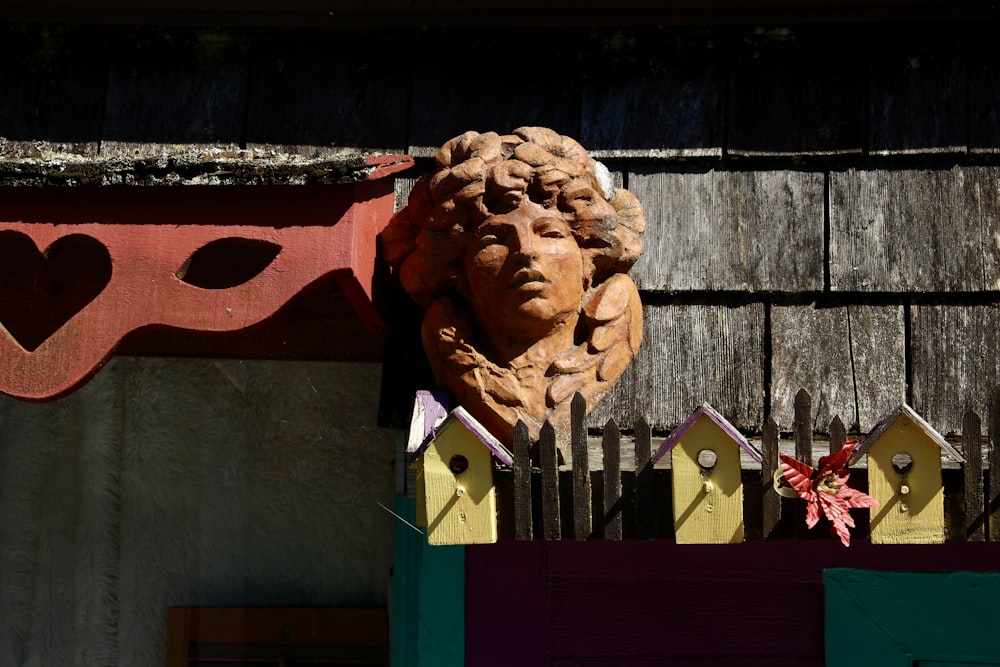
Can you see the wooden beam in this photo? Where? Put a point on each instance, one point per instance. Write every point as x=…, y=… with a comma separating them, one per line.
x=469, y=12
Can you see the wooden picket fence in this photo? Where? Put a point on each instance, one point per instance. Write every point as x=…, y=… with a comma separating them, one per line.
x=596, y=499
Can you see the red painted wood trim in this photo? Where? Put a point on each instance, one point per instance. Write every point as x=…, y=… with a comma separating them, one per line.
x=150, y=233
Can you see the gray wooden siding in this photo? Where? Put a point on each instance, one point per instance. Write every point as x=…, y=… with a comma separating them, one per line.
x=692, y=354
x=486, y=81
x=661, y=97
x=745, y=231
x=849, y=358
x=822, y=201
x=956, y=361
x=914, y=230
x=918, y=95
x=790, y=96
x=149, y=105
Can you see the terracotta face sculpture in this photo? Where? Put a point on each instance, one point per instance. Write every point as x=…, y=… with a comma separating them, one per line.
x=519, y=247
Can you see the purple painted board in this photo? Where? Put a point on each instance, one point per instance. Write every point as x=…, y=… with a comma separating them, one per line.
x=570, y=603
x=506, y=614
x=706, y=410
x=676, y=611
x=691, y=661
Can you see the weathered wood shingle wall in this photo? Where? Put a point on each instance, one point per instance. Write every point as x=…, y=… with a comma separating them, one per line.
x=823, y=200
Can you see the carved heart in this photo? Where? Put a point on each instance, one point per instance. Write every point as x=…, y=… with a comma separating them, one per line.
x=40, y=292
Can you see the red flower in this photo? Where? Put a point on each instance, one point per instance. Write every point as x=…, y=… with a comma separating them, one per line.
x=826, y=488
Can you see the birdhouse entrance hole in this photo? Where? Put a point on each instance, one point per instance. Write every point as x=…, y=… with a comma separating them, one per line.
x=902, y=462
x=707, y=459
x=458, y=464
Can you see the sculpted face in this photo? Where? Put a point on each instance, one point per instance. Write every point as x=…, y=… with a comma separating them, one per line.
x=527, y=304
x=525, y=274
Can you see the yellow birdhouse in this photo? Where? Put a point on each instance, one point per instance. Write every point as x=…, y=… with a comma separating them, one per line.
x=707, y=482
x=904, y=476
x=455, y=481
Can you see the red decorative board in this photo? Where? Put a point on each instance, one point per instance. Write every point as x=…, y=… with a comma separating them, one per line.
x=81, y=267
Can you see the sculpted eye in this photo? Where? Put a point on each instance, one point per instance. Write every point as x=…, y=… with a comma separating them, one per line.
x=485, y=239
x=552, y=229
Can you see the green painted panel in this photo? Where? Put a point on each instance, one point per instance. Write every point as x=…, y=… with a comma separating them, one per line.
x=428, y=598
x=910, y=618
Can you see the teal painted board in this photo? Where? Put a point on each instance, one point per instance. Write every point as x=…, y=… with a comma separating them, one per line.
x=903, y=619
x=441, y=612
x=428, y=597
x=405, y=579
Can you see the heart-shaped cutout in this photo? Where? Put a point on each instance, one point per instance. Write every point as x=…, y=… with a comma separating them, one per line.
x=40, y=292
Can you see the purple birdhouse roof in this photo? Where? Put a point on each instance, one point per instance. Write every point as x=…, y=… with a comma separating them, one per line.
x=886, y=423
x=706, y=410
x=431, y=416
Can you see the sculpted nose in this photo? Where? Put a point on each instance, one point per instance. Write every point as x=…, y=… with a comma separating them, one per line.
x=524, y=243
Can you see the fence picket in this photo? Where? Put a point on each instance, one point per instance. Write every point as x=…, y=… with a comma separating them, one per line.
x=803, y=427
x=522, y=482
x=612, y=482
x=769, y=464
x=975, y=504
x=582, y=507
x=548, y=457
x=838, y=434
x=645, y=513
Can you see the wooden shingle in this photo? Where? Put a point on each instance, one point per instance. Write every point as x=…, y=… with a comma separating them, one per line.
x=317, y=97
x=489, y=87
x=918, y=96
x=984, y=100
x=693, y=354
x=956, y=361
x=46, y=73
x=730, y=230
x=655, y=96
x=849, y=358
x=175, y=89
x=796, y=92
x=914, y=230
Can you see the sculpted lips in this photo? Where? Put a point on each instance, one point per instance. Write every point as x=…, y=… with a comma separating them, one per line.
x=526, y=276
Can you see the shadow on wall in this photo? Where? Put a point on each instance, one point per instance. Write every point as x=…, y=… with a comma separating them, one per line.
x=183, y=483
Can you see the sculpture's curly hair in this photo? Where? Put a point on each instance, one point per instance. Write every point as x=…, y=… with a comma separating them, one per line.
x=479, y=175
